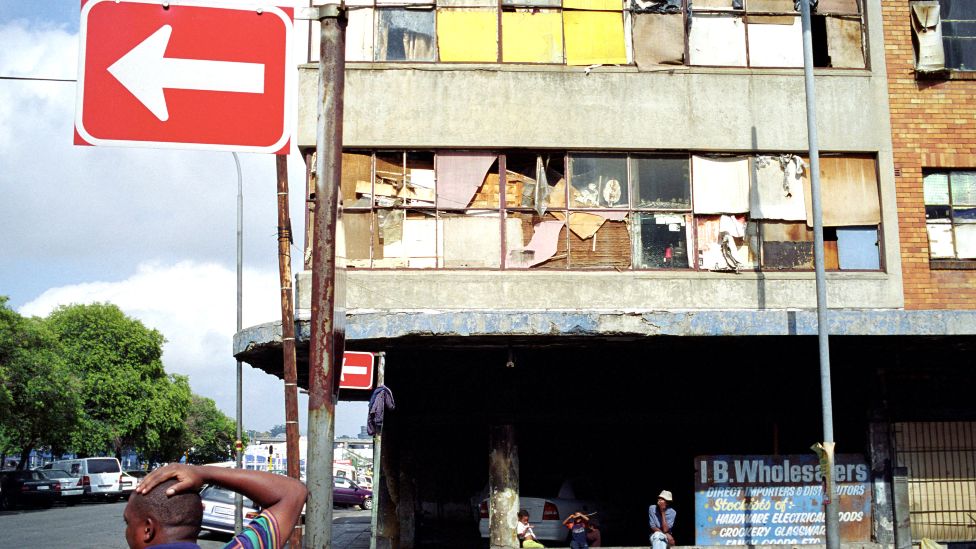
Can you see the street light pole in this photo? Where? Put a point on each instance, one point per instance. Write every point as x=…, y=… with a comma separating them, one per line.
x=826, y=450
x=238, y=459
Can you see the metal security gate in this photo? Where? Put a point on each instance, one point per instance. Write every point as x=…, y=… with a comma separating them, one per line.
x=941, y=462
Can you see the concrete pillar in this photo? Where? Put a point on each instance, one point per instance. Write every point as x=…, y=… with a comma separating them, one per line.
x=386, y=497
x=407, y=508
x=883, y=527
x=503, y=481
x=903, y=523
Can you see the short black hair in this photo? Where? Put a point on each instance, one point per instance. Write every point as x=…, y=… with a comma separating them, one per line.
x=179, y=511
x=523, y=513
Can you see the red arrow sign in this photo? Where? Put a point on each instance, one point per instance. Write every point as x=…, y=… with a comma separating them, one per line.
x=357, y=370
x=202, y=74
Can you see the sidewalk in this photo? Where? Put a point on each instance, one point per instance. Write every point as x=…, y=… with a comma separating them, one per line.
x=351, y=532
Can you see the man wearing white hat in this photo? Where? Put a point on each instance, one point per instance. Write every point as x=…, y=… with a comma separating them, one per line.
x=661, y=519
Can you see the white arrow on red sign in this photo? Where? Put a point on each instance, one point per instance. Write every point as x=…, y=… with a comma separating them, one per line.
x=145, y=71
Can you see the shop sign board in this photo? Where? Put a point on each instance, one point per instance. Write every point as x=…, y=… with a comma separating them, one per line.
x=778, y=500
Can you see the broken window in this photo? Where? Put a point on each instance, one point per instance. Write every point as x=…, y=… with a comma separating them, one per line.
x=535, y=241
x=467, y=34
x=405, y=35
x=786, y=246
x=726, y=242
x=950, y=214
x=599, y=240
x=598, y=181
x=531, y=35
x=778, y=188
x=407, y=238
x=404, y=180
x=463, y=175
x=661, y=182
x=356, y=182
x=535, y=181
x=959, y=34
x=661, y=240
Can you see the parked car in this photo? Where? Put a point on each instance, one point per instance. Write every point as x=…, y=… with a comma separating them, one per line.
x=71, y=490
x=128, y=484
x=546, y=514
x=27, y=488
x=100, y=476
x=347, y=492
x=218, y=510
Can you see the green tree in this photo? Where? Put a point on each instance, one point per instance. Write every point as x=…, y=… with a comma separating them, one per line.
x=209, y=435
x=41, y=406
x=128, y=400
x=277, y=430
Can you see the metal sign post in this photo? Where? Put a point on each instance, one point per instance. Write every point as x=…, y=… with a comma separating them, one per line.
x=327, y=326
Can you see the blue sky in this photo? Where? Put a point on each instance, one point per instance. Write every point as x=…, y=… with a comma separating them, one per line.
x=150, y=230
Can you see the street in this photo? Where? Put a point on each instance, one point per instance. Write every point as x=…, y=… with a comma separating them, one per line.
x=96, y=525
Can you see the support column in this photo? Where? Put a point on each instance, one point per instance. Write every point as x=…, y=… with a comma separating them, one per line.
x=882, y=527
x=503, y=482
x=406, y=489
x=903, y=523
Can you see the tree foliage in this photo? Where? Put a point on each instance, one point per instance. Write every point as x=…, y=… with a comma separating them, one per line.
x=209, y=435
x=40, y=400
x=128, y=400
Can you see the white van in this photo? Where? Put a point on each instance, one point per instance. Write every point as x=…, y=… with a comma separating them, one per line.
x=100, y=476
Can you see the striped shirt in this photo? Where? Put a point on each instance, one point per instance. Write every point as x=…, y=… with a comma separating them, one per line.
x=261, y=533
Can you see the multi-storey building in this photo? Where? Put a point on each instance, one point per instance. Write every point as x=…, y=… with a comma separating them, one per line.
x=581, y=232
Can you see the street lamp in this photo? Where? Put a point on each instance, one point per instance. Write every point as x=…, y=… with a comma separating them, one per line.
x=238, y=498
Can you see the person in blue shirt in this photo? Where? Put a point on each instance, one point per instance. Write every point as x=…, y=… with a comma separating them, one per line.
x=660, y=517
x=577, y=526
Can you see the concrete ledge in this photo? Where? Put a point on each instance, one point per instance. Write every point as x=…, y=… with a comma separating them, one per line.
x=371, y=325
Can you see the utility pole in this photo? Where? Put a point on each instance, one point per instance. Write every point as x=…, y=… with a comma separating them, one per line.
x=288, y=333
x=239, y=454
x=328, y=314
x=826, y=450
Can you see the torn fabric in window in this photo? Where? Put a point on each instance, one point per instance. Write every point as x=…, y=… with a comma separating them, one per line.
x=359, y=34
x=927, y=26
x=775, y=41
x=405, y=35
x=787, y=246
x=844, y=42
x=720, y=184
x=459, y=175
x=717, y=40
x=849, y=192
x=777, y=188
x=594, y=38
x=659, y=39
x=857, y=248
x=607, y=247
x=532, y=36
x=661, y=182
x=723, y=243
x=543, y=243
x=467, y=35
x=661, y=240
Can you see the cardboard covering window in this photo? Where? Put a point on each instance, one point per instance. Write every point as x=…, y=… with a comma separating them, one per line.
x=786, y=246
x=532, y=36
x=359, y=34
x=593, y=5
x=858, y=248
x=849, y=192
x=357, y=172
x=609, y=247
x=405, y=35
x=927, y=26
x=467, y=35
x=658, y=39
x=717, y=40
x=467, y=4
x=845, y=42
x=594, y=38
x=775, y=41
x=770, y=6
x=720, y=185
x=837, y=7
x=473, y=239
x=359, y=238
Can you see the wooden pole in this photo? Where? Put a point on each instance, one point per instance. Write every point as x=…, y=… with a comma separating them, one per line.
x=288, y=333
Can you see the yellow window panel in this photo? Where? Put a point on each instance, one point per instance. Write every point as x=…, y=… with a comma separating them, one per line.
x=594, y=38
x=532, y=37
x=612, y=5
x=467, y=35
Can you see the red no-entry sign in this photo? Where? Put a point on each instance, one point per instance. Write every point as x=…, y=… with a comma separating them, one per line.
x=201, y=74
x=357, y=370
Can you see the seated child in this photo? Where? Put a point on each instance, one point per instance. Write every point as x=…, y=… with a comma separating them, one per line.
x=524, y=530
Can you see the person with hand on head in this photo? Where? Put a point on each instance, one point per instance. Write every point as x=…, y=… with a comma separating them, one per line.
x=165, y=511
x=661, y=519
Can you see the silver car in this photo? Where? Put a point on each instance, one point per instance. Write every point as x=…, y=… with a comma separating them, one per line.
x=71, y=489
x=218, y=510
